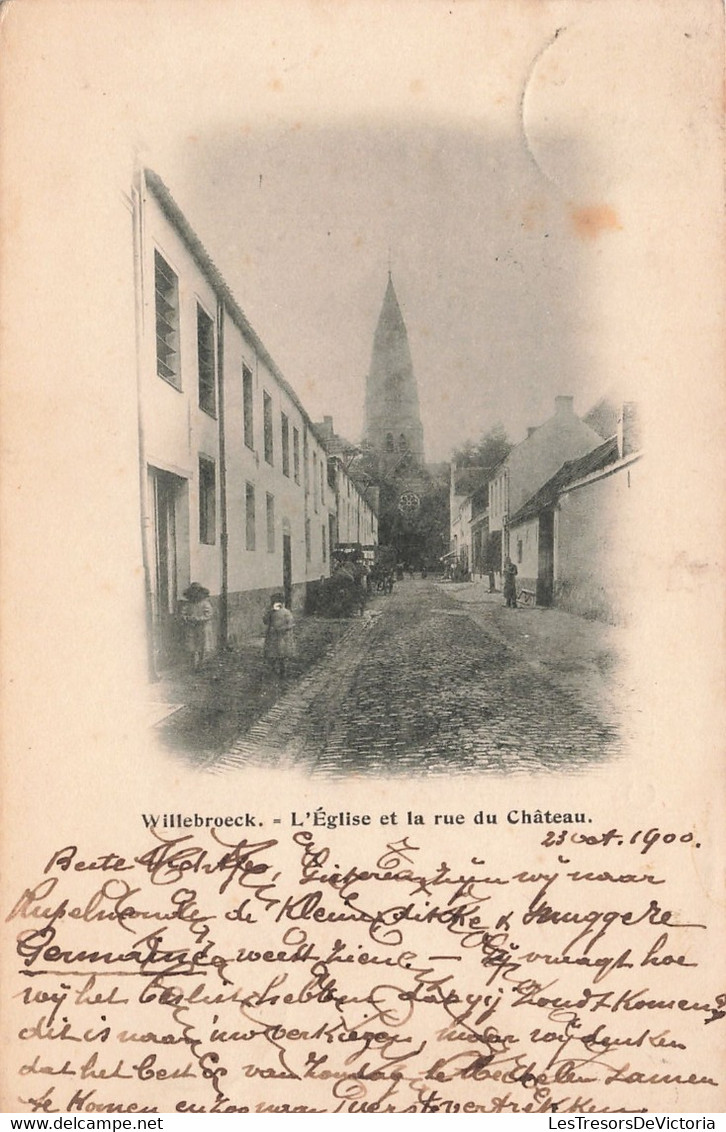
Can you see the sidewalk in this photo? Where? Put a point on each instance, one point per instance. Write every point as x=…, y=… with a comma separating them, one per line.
x=200, y=714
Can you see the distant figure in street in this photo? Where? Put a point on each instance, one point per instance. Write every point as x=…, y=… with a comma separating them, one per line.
x=360, y=576
x=510, y=583
x=196, y=614
x=279, y=639
x=492, y=584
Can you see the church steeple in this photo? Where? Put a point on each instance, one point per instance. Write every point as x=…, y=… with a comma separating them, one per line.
x=393, y=423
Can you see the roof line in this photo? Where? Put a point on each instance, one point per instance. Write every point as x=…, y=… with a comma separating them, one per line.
x=602, y=473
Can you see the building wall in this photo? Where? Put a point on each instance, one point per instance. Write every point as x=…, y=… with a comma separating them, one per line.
x=461, y=534
x=524, y=552
x=290, y=503
x=534, y=460
x=596, y=573
x=176, y=430
x=355, y=519
x=256, y=566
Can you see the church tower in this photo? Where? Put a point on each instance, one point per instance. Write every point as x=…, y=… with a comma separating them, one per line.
x=393, y=424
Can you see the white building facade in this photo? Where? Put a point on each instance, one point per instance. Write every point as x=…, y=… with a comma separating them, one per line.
x=533, y=461
x=235, y=492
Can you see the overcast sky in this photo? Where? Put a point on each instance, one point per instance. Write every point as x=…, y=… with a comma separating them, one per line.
x=515, y=156
x=302, y=212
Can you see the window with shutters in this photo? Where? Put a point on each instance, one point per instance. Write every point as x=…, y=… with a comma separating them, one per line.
x=270, y=523
x=206, y=362
x=248, y=410
x=167, y=321
x=250, y=528
x=285, y=435
x=267, y=425
x=207, y=500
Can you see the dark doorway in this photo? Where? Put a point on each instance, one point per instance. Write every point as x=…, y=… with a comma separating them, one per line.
x=166, y=492
x=546, y=558
x=287, y=569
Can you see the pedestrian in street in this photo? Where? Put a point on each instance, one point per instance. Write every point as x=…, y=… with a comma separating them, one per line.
x=510, y=583
x=360, y=576
x=279, y=638
x=197, y=613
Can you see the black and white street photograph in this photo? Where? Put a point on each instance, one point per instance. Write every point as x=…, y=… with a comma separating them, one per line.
x=392, y=465
x=365, y=337
x=362, y=530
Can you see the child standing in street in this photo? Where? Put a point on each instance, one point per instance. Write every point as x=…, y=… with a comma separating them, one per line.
x=196, y=614
x=279, y=639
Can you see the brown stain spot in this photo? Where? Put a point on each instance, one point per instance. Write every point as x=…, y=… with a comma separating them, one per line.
x=532, y=215
x=297, y=126
x=358, y=242
x=591, y=221
x=444, y=398
x=275, y=85
x=417, y=86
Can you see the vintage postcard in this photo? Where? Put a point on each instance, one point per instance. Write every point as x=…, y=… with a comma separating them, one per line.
x=362, y=557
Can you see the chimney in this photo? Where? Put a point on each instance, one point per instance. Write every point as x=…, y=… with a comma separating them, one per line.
x=629, y=439
x=564, y=404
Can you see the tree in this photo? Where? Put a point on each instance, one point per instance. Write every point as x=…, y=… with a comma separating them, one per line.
x=493, y=447
x=475, y=461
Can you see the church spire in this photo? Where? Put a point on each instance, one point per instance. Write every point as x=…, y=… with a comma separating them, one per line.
x=393, y=423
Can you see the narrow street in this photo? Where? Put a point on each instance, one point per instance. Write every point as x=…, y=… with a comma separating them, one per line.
x=443, y=679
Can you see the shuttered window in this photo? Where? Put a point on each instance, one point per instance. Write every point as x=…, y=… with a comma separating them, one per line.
x=167, y=321
x=206, y=362
x=207, y=500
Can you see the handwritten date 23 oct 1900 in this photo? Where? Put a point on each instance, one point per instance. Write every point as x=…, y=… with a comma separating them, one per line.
x=211, y=972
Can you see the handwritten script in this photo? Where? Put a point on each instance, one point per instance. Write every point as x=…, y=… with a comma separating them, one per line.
x=229, y=970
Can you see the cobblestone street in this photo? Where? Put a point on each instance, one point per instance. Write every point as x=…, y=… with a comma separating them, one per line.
x=443, y=679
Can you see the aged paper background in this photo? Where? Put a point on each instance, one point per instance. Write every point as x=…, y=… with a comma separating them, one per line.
x=87, y=86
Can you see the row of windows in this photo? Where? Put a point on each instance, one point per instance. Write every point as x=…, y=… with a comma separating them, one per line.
x=167, y=338
x=208, y=513
x=268, y=437
x=168, y=367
